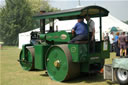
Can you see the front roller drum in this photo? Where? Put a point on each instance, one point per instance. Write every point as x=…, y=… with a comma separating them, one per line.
x=59, y=63
x=27, y=61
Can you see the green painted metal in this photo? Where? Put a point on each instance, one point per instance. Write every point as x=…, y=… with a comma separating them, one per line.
x=58, y=74
x=64, y=69
x=101, y=52
x=24, y=51
x=42, y=26
x=27, y=59
x=100, y=26
x=42, y=36
x=93, y=11
x=61, y=36
x=93, y=58
x=81, y=54
x=58, y=15
x=74, y=52
x=78, y=52
x=40, y=52
x=105, y=49
x=84, y=67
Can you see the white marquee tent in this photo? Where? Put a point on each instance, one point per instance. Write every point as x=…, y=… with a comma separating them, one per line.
x=107, y=23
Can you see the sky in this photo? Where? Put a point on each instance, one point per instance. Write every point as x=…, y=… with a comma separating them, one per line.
x=117, y=8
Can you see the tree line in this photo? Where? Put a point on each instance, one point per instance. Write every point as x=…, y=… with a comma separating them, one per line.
x=126, y=22
x=16, y=17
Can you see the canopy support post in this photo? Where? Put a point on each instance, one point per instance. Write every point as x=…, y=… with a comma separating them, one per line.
x=42, y=26
x=100, y=26
x=52, y=25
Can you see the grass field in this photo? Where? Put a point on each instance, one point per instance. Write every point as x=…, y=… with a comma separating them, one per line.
x=12, y=74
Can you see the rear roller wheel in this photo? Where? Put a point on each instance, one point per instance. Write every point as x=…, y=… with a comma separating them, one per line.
x=59, y=64
x=27, y=62
x=122, y=76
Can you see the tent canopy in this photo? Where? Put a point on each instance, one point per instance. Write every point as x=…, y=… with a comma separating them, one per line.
x=92, y=11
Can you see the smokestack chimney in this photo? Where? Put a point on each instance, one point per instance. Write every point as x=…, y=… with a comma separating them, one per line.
x=42, y=11
x=42, y=23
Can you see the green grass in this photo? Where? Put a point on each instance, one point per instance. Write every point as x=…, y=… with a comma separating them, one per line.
x=12, y=74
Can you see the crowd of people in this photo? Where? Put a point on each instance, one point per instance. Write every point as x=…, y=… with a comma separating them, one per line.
x=119, y=43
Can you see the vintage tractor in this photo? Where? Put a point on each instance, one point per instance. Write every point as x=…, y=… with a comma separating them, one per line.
x=49, y=50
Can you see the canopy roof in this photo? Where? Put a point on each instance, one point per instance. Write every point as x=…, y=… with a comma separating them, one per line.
x=92, y=11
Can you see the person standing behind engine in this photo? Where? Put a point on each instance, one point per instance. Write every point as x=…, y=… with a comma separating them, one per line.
x=91, y=26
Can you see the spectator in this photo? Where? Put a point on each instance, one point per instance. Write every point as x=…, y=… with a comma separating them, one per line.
x=106, y=38
x=127, y=43
x=116, y=45
x=122, y=43
x=103, y=36
x=111, y=39
x=116, y=37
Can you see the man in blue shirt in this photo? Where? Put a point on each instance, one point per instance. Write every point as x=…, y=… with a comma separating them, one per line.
x=116, y=37
x=81, y=30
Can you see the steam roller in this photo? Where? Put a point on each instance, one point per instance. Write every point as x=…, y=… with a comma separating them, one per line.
x=59, y=63
x=27, y=58
x=50, y=50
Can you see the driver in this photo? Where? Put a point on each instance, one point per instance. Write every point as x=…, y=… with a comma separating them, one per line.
x=81, y=31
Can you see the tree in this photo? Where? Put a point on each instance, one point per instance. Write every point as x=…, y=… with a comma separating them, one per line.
x=15, y=17
x=125, y=22
x=38, y=5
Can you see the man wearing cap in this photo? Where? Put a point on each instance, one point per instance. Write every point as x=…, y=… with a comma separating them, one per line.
x=81, y=31
x=91, y=26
